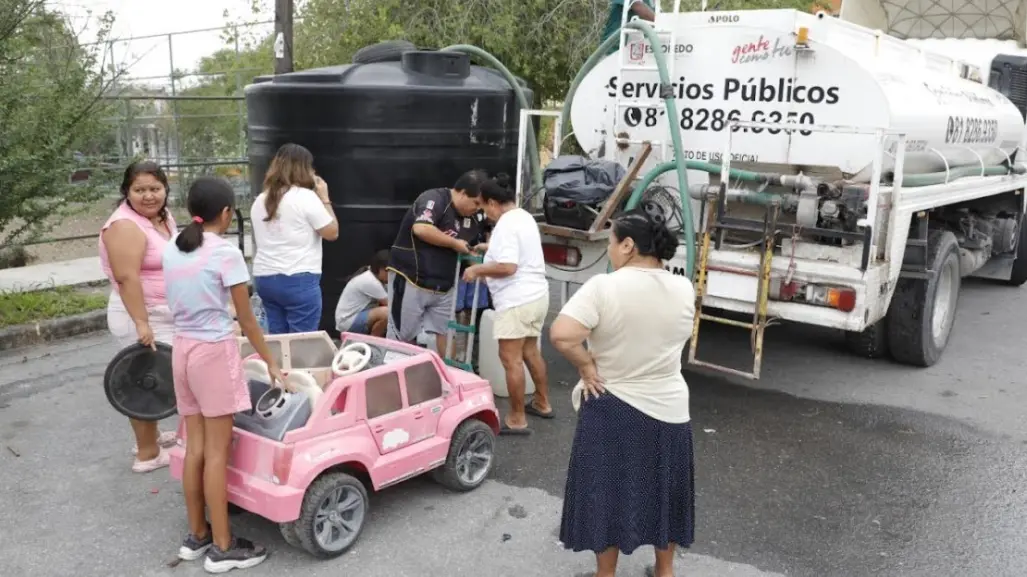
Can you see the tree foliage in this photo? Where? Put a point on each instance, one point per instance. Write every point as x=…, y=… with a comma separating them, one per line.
x=215, y=129
x=543, y=41
x=51, y=117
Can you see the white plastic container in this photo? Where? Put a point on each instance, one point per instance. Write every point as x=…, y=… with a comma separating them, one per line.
x=489, y=366
x=747, y=65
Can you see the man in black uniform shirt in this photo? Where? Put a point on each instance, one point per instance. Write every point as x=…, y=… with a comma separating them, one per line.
x=442, y=224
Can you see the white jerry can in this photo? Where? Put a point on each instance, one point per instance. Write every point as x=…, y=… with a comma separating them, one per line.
x=489, y=366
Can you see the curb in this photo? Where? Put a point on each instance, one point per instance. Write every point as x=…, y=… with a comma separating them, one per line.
x=52, y=329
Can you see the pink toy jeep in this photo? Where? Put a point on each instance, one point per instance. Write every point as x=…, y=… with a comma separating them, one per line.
x=381, y=412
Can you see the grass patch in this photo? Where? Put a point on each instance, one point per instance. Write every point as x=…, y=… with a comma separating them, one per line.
x=28, y=307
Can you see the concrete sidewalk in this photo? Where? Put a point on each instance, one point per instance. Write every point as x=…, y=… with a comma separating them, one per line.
x=77, y=272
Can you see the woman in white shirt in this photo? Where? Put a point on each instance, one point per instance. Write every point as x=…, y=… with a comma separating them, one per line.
x=515, y=271
x=289, y=220
x=629, y=482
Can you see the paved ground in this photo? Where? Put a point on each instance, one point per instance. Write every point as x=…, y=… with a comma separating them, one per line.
x=870, y=469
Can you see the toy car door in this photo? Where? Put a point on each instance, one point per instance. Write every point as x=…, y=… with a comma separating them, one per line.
x=424, y=390
x=388, y=416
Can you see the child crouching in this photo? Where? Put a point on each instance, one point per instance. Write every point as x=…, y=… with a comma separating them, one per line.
x=205, y=274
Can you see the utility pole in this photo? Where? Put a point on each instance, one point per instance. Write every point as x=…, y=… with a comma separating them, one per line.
x=283, y=36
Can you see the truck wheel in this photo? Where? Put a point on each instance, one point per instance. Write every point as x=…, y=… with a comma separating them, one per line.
x=1018, y=275
x=470, y=459
x=922, y=312
x=333, y=514
x=871, y=343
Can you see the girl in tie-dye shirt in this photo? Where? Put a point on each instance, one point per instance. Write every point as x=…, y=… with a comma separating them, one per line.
x=203, y=273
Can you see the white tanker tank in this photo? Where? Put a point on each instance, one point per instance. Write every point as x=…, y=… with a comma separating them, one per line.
x=751, y=65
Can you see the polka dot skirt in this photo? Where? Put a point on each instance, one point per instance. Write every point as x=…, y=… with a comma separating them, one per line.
x=629, y=482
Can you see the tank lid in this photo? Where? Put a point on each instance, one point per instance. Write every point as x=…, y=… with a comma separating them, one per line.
x=455, y=65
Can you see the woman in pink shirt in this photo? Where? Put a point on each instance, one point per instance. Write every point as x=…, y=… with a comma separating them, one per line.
x=131, y=247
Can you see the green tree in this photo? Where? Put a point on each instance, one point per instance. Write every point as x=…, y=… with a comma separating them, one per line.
x=542, y=41
x=51, y=117
x=212, y=126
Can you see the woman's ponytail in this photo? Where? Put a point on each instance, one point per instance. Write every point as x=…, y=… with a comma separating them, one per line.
x=191, y=237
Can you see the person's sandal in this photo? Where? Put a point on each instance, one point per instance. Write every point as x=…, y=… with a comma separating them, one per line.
x=162, y=460
x=505, y=429
x=535, y=412
x=165, y=440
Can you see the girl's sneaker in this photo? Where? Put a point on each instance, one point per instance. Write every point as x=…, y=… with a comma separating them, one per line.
x=242, y=554
x=193, y=548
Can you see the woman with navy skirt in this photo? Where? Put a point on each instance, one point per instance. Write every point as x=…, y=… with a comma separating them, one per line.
x=629, y=482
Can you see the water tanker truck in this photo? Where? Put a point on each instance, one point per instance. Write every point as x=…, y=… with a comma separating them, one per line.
x=828, y=173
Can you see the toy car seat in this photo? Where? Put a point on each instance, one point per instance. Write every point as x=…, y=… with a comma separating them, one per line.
x=299, y=381
x=256, y=370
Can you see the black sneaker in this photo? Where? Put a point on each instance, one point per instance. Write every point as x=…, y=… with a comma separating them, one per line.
x=242, y=554
x=193, y=548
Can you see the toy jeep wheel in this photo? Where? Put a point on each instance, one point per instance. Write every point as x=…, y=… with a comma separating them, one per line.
x=470, y=459
x=289, y=534
x=333, y=514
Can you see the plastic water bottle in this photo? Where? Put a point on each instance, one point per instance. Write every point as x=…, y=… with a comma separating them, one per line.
x=258, y=311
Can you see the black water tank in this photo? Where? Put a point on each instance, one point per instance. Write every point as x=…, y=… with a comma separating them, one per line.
x=381, y=134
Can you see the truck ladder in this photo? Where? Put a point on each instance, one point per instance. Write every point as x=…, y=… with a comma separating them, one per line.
x=716, y=225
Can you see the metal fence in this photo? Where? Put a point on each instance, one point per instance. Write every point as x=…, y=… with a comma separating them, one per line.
x=191, y=118
x=187, y=114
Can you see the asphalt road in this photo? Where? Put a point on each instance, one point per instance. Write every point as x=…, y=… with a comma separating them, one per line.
x=829, y=466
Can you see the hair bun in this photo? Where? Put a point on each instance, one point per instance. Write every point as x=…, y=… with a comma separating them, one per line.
x=665, y=243
x=503, y=179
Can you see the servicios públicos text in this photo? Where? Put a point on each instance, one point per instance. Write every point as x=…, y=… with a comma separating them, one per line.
x=716, y=119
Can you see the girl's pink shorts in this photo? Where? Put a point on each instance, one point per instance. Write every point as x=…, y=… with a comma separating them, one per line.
x=208, y=378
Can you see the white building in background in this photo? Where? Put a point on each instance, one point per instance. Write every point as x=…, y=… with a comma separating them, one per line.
x=146, y=128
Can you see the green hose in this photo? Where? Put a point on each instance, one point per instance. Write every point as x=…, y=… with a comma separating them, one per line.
x=930, y=179
x=675, y=137
x=593, y=60
x=522, y=100
x=636, y=194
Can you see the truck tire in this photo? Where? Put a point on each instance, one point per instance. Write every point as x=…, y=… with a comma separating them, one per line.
x=922, y=312
x=1018, y=275
x=387, y=51
x=871, y=343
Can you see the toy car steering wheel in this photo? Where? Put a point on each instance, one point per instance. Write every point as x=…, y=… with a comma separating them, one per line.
x=351, y=359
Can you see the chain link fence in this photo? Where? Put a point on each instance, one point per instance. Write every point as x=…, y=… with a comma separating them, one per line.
x=180, y=105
